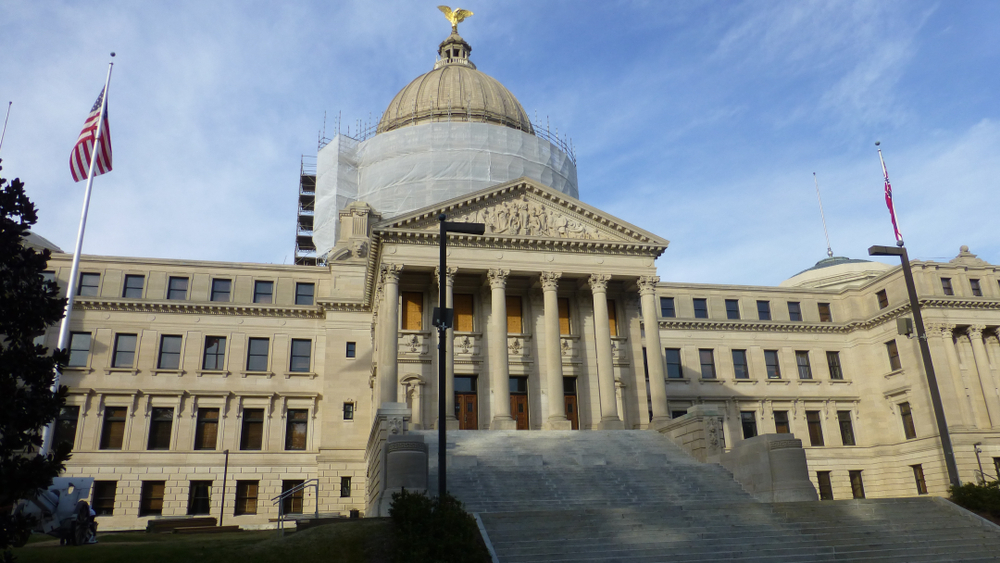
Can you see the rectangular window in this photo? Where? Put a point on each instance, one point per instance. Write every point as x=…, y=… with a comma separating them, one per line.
x=345, y=487
x=113, y=429
x=825, y=486
x=200, y=498
x=352, y=350
x=257, y=354
x=170, y=352
x=464, y=312
x=79, y=349
x=151, y=499
x=161, y=422
x=348, y=411
x=771, y=362
x=124, y=352
x=667, y=307
x=794, y=311
x=133, y=287
x=177, y=288
x=732, y=309
x=206, y=431
x=918, y=476
x=977, y=290
x=802, y=362
x=908, y=429
x=612, y=318
x=740, y=367
x=833, y=362
x=946, y=286
x=89, y=285
x=104, y=497
x=48, y=276
x=246, y=498
x=890, y=348
x=674, y=370
x=252, y=433
x=295, y=429
x=883, y=299
x=857, y=485
x=700, y=308
x=263, y=291
x=846, y=428
x=564, y=326
x=781, y=422
x=305, y=293
x=824, y=313
x=748, y=419
x=215, y=353
x=413, y=310
x=221, y=290
x=301, y=356
x=291, y=504
x=764, y=310
x=707, y=358
x=815, y=428
x=514, y=325
x=66, y=425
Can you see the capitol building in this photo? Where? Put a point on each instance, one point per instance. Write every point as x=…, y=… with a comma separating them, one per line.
x=186, y=374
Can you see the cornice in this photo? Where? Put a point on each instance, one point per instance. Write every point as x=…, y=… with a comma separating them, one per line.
x=84, y=304
x=521, y=242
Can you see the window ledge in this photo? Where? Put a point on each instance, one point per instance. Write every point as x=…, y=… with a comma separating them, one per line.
x=746, y=381
x=677, y=380
x=808, y=381
x=840, y=382
x=177, y=372
x=78, y=369
x=777, y=381
x=212, y=373
x=267, y=374
x=309, y=374
x=132, y=371
x=893, y=372
x=712, y=380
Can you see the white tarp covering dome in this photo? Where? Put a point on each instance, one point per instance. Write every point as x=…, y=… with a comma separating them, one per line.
x=430, y=148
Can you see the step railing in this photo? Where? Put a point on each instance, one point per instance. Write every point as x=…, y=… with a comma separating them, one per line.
x=280, y=501
x=982, y=477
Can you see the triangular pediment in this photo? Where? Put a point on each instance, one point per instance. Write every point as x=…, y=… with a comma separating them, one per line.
x=526, y=210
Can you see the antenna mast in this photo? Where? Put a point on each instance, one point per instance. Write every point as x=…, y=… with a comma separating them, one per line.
x=829, y=251
x=4, y=134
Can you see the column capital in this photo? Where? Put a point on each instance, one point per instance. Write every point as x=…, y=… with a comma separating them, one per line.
x=599, y=282
x=940, y=330
x=976, y=331
x=647, y=285
x=390, y=272
x=449, y=276
x=550, y=280
x=498, y=277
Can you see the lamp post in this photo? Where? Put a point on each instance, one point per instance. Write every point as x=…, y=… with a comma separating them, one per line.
x=925, y=353
x=443, y=319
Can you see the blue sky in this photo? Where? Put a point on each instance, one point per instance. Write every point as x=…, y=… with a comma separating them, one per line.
x=700, y=121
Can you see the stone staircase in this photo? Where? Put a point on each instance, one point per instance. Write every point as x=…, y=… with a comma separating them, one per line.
x=634, y=496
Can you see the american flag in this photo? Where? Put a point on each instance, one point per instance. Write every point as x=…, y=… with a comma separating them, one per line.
x=888, y=199
x=79, y=159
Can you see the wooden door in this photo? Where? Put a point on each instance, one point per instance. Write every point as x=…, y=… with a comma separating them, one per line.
x=519, y=409
x=571, y=414
x=467, y=411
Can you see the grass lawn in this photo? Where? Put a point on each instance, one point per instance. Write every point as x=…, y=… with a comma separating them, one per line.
x=358, y=541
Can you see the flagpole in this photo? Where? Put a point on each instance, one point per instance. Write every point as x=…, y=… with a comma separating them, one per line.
x=75, y=270
x=891, y=204
x=4, y=133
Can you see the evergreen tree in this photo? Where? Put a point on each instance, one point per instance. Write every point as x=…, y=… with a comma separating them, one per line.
x=28, y=305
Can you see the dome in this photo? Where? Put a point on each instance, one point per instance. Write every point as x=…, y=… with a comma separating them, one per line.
x=837, y=272
x=454, y=91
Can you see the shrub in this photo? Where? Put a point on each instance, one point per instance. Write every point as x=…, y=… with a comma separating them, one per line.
x=980, y=498
x=437, y=530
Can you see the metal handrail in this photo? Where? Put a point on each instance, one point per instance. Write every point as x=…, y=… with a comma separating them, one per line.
x=279, y=500
x=982, y=477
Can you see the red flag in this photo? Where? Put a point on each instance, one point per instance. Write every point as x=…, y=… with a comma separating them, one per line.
x=79, y=159
x=888, y=198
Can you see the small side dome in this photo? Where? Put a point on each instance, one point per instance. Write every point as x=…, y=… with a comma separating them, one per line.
x=837, y=272
x=454, y=91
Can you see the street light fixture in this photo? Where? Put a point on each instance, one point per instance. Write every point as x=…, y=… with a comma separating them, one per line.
x=925, y=353
x=443, y=319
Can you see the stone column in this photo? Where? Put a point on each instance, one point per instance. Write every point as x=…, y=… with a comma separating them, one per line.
x=499, y=368
x=449, y=369
x=654, y=349
x=953, y=395
x=388, y=322
x=553, y=354
x=985, y=377
x=605, y=364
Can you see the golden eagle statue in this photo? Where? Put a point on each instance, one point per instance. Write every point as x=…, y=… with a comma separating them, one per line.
x=455, y=17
